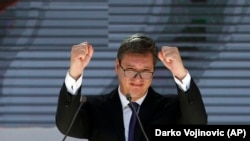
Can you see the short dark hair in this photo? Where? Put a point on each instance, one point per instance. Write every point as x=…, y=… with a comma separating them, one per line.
x=138, y=43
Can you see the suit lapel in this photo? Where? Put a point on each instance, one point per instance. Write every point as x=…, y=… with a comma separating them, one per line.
x=148, y=106
x=147, y=110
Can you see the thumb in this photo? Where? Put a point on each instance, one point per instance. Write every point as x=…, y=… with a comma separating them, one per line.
x=163, y=60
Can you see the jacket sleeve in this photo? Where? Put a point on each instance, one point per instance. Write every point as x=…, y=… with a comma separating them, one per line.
x=66, y=108
x=191, y=105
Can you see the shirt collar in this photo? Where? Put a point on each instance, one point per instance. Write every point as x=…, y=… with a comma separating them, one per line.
x=124, y=100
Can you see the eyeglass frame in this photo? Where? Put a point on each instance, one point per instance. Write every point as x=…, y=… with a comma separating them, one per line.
x=136, y=73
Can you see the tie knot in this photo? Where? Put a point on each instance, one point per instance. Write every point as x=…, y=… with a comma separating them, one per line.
x=135, y=105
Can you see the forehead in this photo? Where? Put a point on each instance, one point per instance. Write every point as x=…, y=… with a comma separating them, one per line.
x=135, y=59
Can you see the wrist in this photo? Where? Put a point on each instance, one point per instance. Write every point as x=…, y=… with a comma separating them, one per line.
x=181, y=75
x=75, y=75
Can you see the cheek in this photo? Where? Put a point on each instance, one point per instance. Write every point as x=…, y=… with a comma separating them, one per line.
x=148, y=82
x=119, y=73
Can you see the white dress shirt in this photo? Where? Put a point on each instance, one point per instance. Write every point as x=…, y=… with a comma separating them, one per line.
x=127, y=112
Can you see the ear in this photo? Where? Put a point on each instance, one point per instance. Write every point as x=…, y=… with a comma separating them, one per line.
x=116, y=65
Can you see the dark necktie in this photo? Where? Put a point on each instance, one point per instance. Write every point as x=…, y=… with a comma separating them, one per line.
x=132, y=121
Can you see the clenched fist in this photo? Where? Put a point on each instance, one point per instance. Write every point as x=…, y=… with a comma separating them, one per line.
x=80, y=57
x=171, y=58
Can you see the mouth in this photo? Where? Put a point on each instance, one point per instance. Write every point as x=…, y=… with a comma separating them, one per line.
x=136, y=85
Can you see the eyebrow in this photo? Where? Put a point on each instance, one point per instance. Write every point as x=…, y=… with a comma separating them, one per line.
x=132, y=67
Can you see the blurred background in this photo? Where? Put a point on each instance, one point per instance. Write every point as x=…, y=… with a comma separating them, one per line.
x=36, y=37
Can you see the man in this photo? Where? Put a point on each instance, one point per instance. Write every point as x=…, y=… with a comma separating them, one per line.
x=107, y=117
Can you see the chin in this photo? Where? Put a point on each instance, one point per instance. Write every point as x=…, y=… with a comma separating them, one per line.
x=136, y=94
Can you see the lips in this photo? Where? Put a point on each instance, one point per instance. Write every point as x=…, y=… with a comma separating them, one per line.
x=136, y=85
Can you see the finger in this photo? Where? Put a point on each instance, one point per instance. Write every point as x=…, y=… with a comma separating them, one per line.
x=90, y=54
x=84, y=43
x=80, y=45
x=90, y=50
x=160, y=56
x=168, y=56
x=165, y=55
x=166, y=49
x=165, y=60
x=80, y=49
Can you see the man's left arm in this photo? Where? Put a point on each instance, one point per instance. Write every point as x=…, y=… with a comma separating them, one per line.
x=191, y=103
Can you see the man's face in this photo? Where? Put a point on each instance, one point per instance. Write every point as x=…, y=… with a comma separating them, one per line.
x=136, y=86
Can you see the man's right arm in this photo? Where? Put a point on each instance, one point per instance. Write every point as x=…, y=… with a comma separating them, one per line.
x=70, y=93
x=68, y=103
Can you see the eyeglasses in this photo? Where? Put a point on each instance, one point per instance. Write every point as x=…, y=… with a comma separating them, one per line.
x=133, y=74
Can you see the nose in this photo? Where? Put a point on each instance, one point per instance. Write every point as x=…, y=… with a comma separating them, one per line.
x=138, y=75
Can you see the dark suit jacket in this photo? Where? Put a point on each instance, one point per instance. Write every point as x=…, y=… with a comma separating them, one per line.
x=101, y=117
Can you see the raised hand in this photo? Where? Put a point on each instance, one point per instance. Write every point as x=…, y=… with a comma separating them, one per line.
x=170, y=57
x=81, y=55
